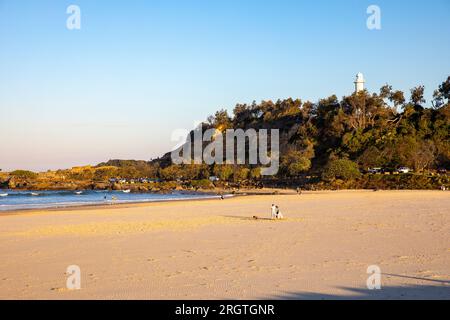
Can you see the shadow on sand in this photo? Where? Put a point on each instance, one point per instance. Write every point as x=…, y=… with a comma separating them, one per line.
x=436, y=290
x=250, y=218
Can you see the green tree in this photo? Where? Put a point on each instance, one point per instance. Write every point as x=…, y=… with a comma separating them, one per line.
x=294, y=163
x=417, y=95
x=255, y=173
x=241, y=173
x=221, y=120
x=371, y=157
x=171, y=173
x=223, y=172
x=341, y=169
x=105, y=173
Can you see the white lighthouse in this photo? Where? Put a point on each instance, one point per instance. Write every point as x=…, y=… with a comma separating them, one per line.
x=359, y=82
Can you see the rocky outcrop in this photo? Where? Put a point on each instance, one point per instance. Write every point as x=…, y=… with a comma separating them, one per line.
x=116, y=186
x=12, y=184
x=4, y=179
x=100, y=186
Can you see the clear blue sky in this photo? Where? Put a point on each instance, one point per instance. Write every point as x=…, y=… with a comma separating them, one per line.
x=137, y=70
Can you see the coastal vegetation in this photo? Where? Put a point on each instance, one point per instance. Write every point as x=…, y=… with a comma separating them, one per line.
x=332, y=143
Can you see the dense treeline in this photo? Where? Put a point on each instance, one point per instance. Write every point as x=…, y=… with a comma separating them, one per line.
x=339, y=138
x=328, y=141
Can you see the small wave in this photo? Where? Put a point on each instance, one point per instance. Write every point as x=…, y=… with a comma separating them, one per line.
x=36, y=193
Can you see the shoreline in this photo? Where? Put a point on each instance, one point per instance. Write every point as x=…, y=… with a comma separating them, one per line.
x=94, y=206
x=136, y=204
x=203, y=195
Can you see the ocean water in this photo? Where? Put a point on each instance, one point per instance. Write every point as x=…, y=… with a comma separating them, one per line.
x=18, y=200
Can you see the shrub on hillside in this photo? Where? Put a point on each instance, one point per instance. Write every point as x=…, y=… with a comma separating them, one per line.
x=24, y=174
x=202, y=184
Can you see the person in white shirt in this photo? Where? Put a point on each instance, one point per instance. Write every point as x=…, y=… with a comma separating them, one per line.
x=273, y=212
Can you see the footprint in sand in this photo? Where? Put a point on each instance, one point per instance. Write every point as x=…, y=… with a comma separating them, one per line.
x=93, y=276
x=152, y=260
x=59, y=289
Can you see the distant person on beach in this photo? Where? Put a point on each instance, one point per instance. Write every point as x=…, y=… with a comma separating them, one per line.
x=273, y=212
x=278, y=214
x=299, y=191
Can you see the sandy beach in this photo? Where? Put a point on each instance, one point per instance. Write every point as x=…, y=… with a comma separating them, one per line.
x=214, y=249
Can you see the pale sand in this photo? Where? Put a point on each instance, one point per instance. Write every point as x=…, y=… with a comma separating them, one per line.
x=214, y=249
